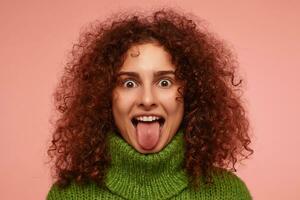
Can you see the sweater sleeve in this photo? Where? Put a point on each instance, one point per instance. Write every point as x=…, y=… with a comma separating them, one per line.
x=233, y=187
x=56, y=193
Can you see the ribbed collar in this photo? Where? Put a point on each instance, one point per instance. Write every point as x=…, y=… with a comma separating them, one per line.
x=133, y=175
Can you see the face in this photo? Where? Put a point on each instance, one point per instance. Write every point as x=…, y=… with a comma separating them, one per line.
x=144, y=103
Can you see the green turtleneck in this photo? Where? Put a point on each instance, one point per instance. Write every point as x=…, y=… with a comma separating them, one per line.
x=152, y=176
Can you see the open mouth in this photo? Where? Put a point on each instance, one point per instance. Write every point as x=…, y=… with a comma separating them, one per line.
x=148, y=130
x=160, y=120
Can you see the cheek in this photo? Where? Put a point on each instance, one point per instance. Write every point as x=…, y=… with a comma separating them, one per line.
x=122, y=103
x=172, y=105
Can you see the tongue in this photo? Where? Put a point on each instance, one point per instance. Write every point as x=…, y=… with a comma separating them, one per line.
x=148, y=134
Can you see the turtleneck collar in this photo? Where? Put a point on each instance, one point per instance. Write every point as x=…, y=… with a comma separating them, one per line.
x=133, y=175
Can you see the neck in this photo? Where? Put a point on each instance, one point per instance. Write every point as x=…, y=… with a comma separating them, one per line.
x=138, y=176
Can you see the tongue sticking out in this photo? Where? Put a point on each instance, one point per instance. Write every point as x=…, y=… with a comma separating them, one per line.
x=148, y=134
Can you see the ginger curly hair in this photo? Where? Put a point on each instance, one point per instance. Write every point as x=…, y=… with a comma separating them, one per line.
x=216, y=128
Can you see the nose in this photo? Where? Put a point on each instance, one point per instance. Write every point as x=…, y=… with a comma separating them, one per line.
x=147, y=99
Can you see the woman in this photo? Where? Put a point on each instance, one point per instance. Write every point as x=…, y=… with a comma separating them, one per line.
x=149, y=109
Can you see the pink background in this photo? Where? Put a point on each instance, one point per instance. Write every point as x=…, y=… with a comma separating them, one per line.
x=35, y=37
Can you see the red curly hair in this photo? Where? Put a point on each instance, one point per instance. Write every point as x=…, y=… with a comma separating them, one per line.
x=215, y=124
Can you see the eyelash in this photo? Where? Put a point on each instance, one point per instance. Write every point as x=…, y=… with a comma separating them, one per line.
x=169, y=81
x=123, y=82
x=126, y=81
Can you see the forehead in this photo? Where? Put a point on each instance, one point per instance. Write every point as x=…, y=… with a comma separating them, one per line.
x=149, y=57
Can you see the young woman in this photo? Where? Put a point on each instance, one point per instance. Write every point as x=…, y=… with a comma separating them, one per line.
x=149, y=109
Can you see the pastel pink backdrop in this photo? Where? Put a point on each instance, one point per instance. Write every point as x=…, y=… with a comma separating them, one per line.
x=35, y=37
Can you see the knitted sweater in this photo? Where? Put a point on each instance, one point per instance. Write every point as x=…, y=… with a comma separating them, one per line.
x=154, y=176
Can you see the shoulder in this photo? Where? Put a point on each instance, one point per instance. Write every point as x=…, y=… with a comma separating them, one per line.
x=225, y=185
x=76, y=191
x=230, y=185
x=66, y=192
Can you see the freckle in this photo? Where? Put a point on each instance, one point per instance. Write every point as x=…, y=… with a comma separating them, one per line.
x=134, y=52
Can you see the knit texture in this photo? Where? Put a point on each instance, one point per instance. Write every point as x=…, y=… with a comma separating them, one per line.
x=152, y=176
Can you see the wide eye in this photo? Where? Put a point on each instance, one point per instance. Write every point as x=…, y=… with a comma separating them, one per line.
x=129, y=84
x=165, y=83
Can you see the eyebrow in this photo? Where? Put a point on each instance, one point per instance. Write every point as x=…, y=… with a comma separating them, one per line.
x=156, y=74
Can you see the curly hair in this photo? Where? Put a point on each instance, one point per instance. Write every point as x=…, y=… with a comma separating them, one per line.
x=216, y=128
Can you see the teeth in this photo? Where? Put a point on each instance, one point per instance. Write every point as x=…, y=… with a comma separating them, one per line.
x=147, y=118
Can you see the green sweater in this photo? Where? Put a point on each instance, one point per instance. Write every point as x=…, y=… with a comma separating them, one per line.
x=154, y=176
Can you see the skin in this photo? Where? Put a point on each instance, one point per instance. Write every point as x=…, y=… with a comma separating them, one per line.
x=147, y=86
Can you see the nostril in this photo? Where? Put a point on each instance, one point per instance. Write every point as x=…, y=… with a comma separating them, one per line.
x=147, y=106
x=147, y=100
